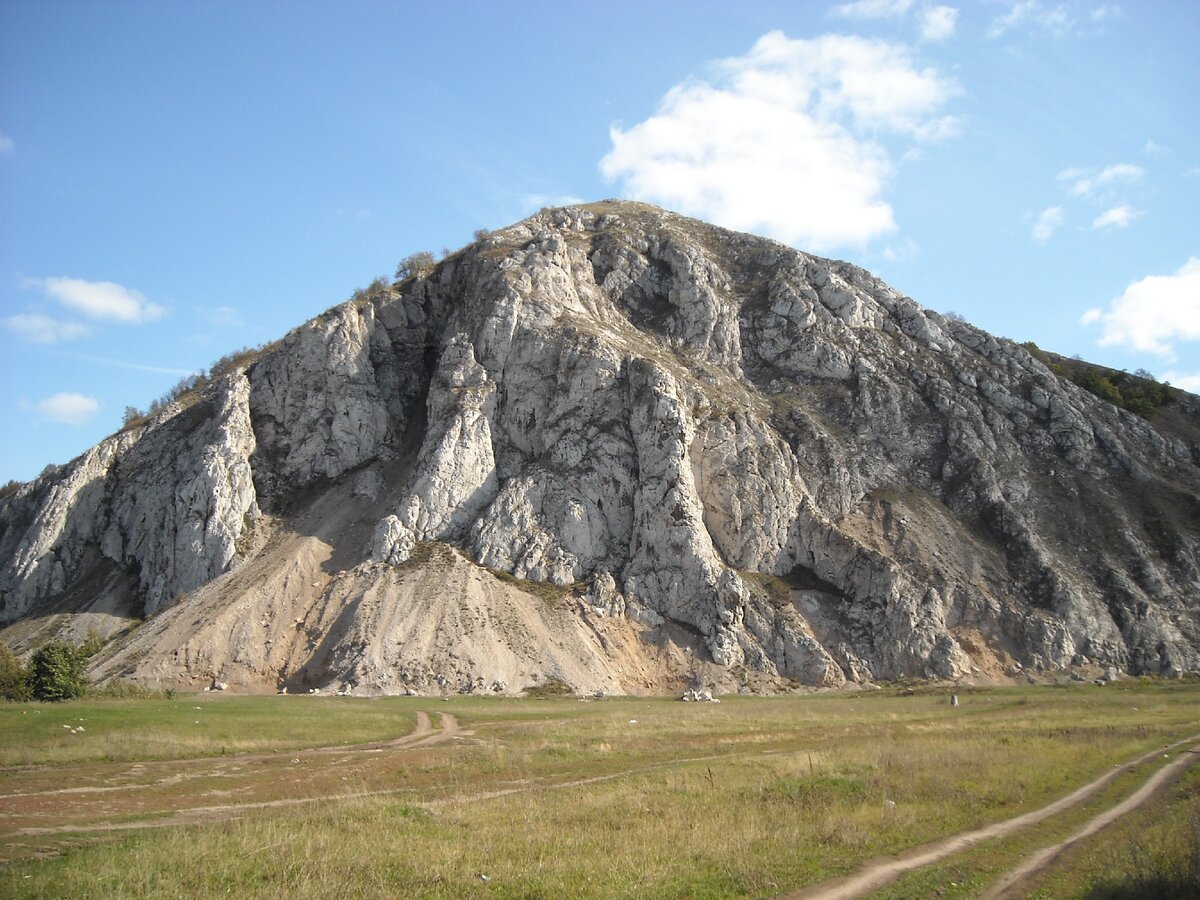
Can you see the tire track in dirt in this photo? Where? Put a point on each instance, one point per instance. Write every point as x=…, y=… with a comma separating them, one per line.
x=449, y=730
x=1014, y=883
x=423, y=735
x=882, y=873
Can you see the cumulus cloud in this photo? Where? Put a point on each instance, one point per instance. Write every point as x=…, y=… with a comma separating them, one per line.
x=533, y=202
x=787, y=139
x=873, y=9
x=1047, y=222
x=1153, y=313
x=1094, y=184
x=102, y=300
x=1189, y=381
x=938, y=23
x=6, y=143
x=1105, y=12
x=42, y=329
x=1117, y=217
x=68, y=409
x=1057, y=19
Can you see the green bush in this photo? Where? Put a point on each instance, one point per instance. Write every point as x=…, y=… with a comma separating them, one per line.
x=416, y=264
x=56, y=672
x=549, y=689
x=14, y=684
x=1139, y=393
x=127, y=690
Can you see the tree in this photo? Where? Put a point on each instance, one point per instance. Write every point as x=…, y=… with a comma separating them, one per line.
x=56, y=672
x=14, y=684
x=416, y=264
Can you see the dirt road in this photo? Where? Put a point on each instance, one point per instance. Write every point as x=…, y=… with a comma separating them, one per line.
x=1013, y=884
x=881, y=873
x=255, y=781
x=77, y=811
x=424, y=735
x=151, y=788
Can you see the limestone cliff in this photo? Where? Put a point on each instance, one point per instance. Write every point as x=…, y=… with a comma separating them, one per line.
x=622, y=448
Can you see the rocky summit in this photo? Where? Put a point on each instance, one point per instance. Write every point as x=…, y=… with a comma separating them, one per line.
x=622, y=450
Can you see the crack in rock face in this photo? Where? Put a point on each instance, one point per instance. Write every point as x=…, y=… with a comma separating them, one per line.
x=627, y=450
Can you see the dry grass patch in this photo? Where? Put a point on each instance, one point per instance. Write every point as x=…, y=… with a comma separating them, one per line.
x=190, y=725
x=639, y=797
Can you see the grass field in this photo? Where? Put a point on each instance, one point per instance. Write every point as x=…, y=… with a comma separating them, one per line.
x=555, y=798
x=194, y=725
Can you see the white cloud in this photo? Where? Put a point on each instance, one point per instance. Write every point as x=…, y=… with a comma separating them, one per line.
x=6, y=144
x=533, y=202
x=1105, y=12
x=68, y=409
x=873, y=9
x=787, y=139
x=1094, y=184
x=42, y=329
x=222, y=316
x=1055, y=19
x=1047, y=222
x=1189, y=381
x=1153, y=313
x=123, y=364
x=902, y=251
x=1117, y=217
x=938, y=23
x=1153, y=148
x=100, y=299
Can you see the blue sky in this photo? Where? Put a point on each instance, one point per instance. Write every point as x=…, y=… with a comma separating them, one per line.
x=181, y=179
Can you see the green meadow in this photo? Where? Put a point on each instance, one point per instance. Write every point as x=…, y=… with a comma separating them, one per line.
x=212, y=795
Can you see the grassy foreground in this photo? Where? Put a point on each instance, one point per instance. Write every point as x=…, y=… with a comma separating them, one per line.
x=191, y=725
x=612, y=798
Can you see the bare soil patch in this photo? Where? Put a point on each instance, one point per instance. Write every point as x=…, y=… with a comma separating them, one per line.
x=163, y=793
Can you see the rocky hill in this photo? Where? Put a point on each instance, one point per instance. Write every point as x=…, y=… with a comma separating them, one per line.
x=621, y=449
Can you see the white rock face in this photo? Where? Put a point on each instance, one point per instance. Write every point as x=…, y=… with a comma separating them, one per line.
x=178, y=511
x=317, y=404
x=457, y=475
x=170, y=500
x=61, y=515
x=770, y=457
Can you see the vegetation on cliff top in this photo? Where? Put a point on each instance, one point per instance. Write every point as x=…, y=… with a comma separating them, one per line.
x=1139, y=393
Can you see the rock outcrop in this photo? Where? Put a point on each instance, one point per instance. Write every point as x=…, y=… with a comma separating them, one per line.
x=612, y=446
